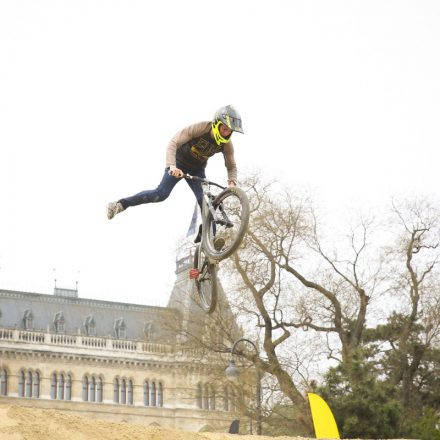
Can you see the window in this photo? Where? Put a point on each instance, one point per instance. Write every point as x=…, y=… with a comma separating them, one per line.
x=206, y=397
x=92, y=389
x=53, y=386
x=28, y=383
x=36, y=384
x=123, y=391
x=212, y=398
x=116, y=391
x=28, y=386
x=85, y=393
x=68, y=394
x=160, y=394
x=61, y=387
x=90, y=325
x=28, y=320
x=3, y=382
x=232, y=401
x=225, y=399
x=146, y=393
x=21, y=380
x=58, y=322
x=153, y=394
x=199, y=396
x=120, y=328
x=130, y=392
x=99, y=385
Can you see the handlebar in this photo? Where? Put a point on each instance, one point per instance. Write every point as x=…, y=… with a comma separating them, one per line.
x=200, y=179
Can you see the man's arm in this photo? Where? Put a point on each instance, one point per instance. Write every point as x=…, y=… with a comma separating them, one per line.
x=228, y=153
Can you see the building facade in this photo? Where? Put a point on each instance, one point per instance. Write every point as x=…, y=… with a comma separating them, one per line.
x=115, y=360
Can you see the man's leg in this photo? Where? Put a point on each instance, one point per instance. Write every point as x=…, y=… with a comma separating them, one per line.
x=196, y=188
x=149, y=196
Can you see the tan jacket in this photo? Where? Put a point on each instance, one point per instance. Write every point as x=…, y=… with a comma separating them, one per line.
x=198, y=146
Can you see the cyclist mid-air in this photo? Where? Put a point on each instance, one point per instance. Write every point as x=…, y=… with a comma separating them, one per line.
x=188, y=153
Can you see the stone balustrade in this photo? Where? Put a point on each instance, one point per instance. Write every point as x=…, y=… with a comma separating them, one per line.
x=81, y=341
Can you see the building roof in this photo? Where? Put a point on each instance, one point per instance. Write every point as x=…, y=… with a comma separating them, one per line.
x=141, y=322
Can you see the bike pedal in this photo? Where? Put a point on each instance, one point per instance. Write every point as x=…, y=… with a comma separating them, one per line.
x=194, y=274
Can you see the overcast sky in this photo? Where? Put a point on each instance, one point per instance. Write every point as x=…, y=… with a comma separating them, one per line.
x=338, y=96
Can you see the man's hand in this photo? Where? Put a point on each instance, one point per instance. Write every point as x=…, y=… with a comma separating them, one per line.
x=231, y=183
x=176, y=172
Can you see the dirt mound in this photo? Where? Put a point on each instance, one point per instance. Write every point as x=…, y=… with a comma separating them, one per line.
x=24, y=423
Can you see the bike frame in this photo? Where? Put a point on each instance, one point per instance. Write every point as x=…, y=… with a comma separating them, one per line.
x=208, y=197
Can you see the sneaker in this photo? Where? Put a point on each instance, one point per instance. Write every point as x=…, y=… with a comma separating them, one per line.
x=114, y=208
x=219, y=243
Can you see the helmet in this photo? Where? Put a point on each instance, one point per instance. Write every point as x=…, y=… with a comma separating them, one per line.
x=228, y=116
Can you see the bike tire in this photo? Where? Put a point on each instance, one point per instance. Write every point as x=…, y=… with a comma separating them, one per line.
x=207, y=240
x=206, y=283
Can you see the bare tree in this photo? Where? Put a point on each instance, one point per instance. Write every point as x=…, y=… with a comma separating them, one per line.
x=297, y=285
x=304, y=294
x=415, y=277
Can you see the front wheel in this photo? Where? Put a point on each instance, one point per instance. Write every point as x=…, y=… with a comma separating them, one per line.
x=206, y=282
x=229, y=225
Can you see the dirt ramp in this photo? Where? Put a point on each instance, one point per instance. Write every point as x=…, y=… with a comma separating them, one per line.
x=26, y=423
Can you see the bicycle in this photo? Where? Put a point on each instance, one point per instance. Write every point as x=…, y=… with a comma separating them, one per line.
x=225, y=217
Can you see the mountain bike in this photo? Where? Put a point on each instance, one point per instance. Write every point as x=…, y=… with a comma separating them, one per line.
x=225, y=219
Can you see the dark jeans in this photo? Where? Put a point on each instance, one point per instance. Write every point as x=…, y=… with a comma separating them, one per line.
x=165, y=187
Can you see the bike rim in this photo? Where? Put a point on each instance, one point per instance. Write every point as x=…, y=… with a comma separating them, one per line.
x=204, y=281
x=234, y=209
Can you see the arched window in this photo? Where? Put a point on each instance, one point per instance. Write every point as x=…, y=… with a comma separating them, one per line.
x=85, y=393
x=206, y=396
x=92, y=389
x=153, y=394
x=232, y=401
x=21, y=380
x=146, y=393
x=225, y=398
x=123, y=391
x=130, y=392
x=68, y=394
x=61, y=387
x=28, y=386
x=199, y=396
x=3, y=382
x=160, y=394
x=211, y=398
x=36, y=385
x=116, y=391
x=99, y=386
x=53, y=386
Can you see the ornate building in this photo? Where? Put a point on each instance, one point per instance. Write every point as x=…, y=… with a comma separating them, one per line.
x=115, y=360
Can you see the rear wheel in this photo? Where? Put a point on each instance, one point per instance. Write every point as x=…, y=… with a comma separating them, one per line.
x=230, y=225
x=206, y=282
